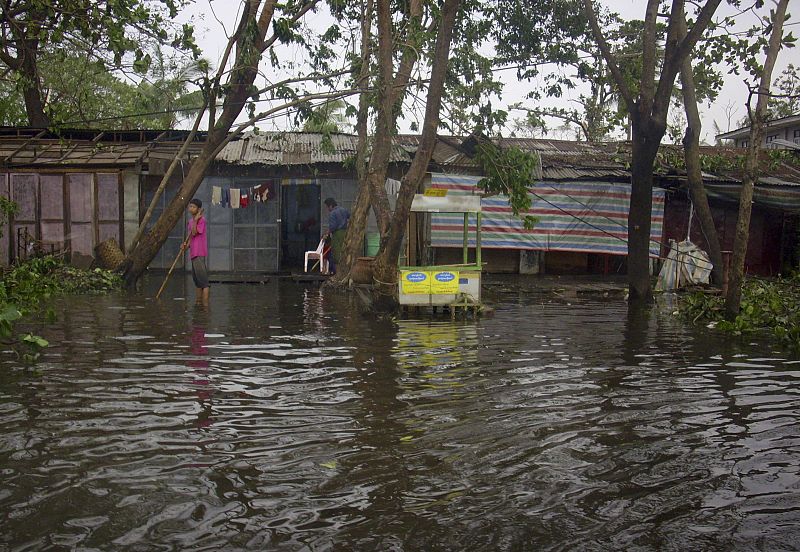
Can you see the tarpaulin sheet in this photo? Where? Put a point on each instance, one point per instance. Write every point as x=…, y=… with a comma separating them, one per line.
x=572, y=216
x=686, y=264
x=784, y=198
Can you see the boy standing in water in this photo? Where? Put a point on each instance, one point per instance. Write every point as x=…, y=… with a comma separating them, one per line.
x=198, y=250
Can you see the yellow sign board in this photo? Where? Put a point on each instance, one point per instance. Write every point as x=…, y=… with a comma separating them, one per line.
x=444, y=282
x=421, y=282
x=436, y=192
x=415, y=282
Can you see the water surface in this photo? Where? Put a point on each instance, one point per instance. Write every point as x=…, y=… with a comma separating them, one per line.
x=281, y=418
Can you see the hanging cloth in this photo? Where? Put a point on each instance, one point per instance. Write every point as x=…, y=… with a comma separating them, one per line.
x=235, y=198
x=216, y=195
x=267, y=190
x=244, y=198
x=225, y=201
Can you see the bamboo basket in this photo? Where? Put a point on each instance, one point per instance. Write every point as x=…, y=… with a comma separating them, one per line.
x=362, y=270
x=109, y=254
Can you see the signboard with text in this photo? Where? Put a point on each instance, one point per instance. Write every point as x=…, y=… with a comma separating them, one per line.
x=415, y=282
x=444, y=282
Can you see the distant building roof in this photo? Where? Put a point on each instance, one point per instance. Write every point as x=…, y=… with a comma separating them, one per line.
x=775, y=123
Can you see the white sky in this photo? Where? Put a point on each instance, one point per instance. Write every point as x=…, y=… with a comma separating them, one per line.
x=212, y=40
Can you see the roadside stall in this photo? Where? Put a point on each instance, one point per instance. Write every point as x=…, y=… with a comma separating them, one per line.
x=454, y=285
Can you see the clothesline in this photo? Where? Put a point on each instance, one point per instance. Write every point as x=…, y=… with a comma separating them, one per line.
x=240, y=198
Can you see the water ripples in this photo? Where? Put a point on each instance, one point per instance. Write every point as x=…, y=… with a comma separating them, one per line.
x=290, y=421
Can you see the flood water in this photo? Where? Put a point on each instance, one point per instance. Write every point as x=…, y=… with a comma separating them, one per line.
x=284, y=419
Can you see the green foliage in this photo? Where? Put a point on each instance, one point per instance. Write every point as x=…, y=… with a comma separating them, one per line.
x=509, y=171
x=787, y=94
x=767, y=306
x=328, y=118
x=25, y=286
x=113, y=34
x=82, y=92
x=777, y=157
x=7, y=209
x=671, y=158
x=596, y=107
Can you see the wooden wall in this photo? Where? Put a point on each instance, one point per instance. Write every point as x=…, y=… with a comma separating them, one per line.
x=74, y=210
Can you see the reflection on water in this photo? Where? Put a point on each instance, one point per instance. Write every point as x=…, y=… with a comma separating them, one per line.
x=281, y=418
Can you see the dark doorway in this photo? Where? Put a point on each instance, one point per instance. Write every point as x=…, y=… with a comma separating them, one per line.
x=300, y=226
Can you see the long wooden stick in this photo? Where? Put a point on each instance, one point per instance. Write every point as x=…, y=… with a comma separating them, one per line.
x=181, y=252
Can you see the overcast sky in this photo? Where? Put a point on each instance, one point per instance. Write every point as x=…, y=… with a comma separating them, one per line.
x=211, y=38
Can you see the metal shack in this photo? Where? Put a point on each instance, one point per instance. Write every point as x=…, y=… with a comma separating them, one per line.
x=453, y=285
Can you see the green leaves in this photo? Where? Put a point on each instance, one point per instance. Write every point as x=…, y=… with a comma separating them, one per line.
x=114, y=33
x=25, y=286
x=767, y=306
x=510, y=172
x=10, y=313
x=35, y=341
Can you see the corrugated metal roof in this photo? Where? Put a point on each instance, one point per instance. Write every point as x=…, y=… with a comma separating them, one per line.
x=297, y=148
x=561, y=160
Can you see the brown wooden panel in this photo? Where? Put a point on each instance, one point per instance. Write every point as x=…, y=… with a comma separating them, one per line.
x=81, y=205
x=23, y=192
x=53, y=232
x=108, y=196
x=82, y=238
x=52, y=190
x=109, y=230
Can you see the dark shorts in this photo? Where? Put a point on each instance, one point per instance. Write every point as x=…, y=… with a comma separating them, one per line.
x=200, y=272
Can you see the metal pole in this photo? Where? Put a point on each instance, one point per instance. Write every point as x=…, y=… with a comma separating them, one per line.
x=466, y=238
x=478, y=242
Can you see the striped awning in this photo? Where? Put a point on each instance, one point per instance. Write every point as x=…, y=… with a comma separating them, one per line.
x=785, y=198
x=572, y=216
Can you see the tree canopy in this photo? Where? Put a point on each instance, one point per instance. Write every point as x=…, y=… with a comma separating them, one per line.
x=114, y=34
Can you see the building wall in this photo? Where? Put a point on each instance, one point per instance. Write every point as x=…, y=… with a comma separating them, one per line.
x=65, y=209
x=767, y=234
x=790, y=133
x=238, y=239
x=249, y=239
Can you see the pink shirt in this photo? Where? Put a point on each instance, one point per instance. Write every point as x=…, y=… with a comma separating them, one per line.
x=198, y=246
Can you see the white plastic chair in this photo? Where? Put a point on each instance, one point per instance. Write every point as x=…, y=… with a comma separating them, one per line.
x=317, y=254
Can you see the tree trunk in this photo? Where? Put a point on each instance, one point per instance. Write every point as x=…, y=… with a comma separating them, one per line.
x=385, y=267
x=357, y=226
x=733, y=298
x=694, y=175
x=646, y=140
x=32, y=90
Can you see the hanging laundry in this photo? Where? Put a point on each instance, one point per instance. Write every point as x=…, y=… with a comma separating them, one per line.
x=244, y=199
x=235, y=198
x=264, y=192
x=267, y=190
x=225, y=201
x=216, y=195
